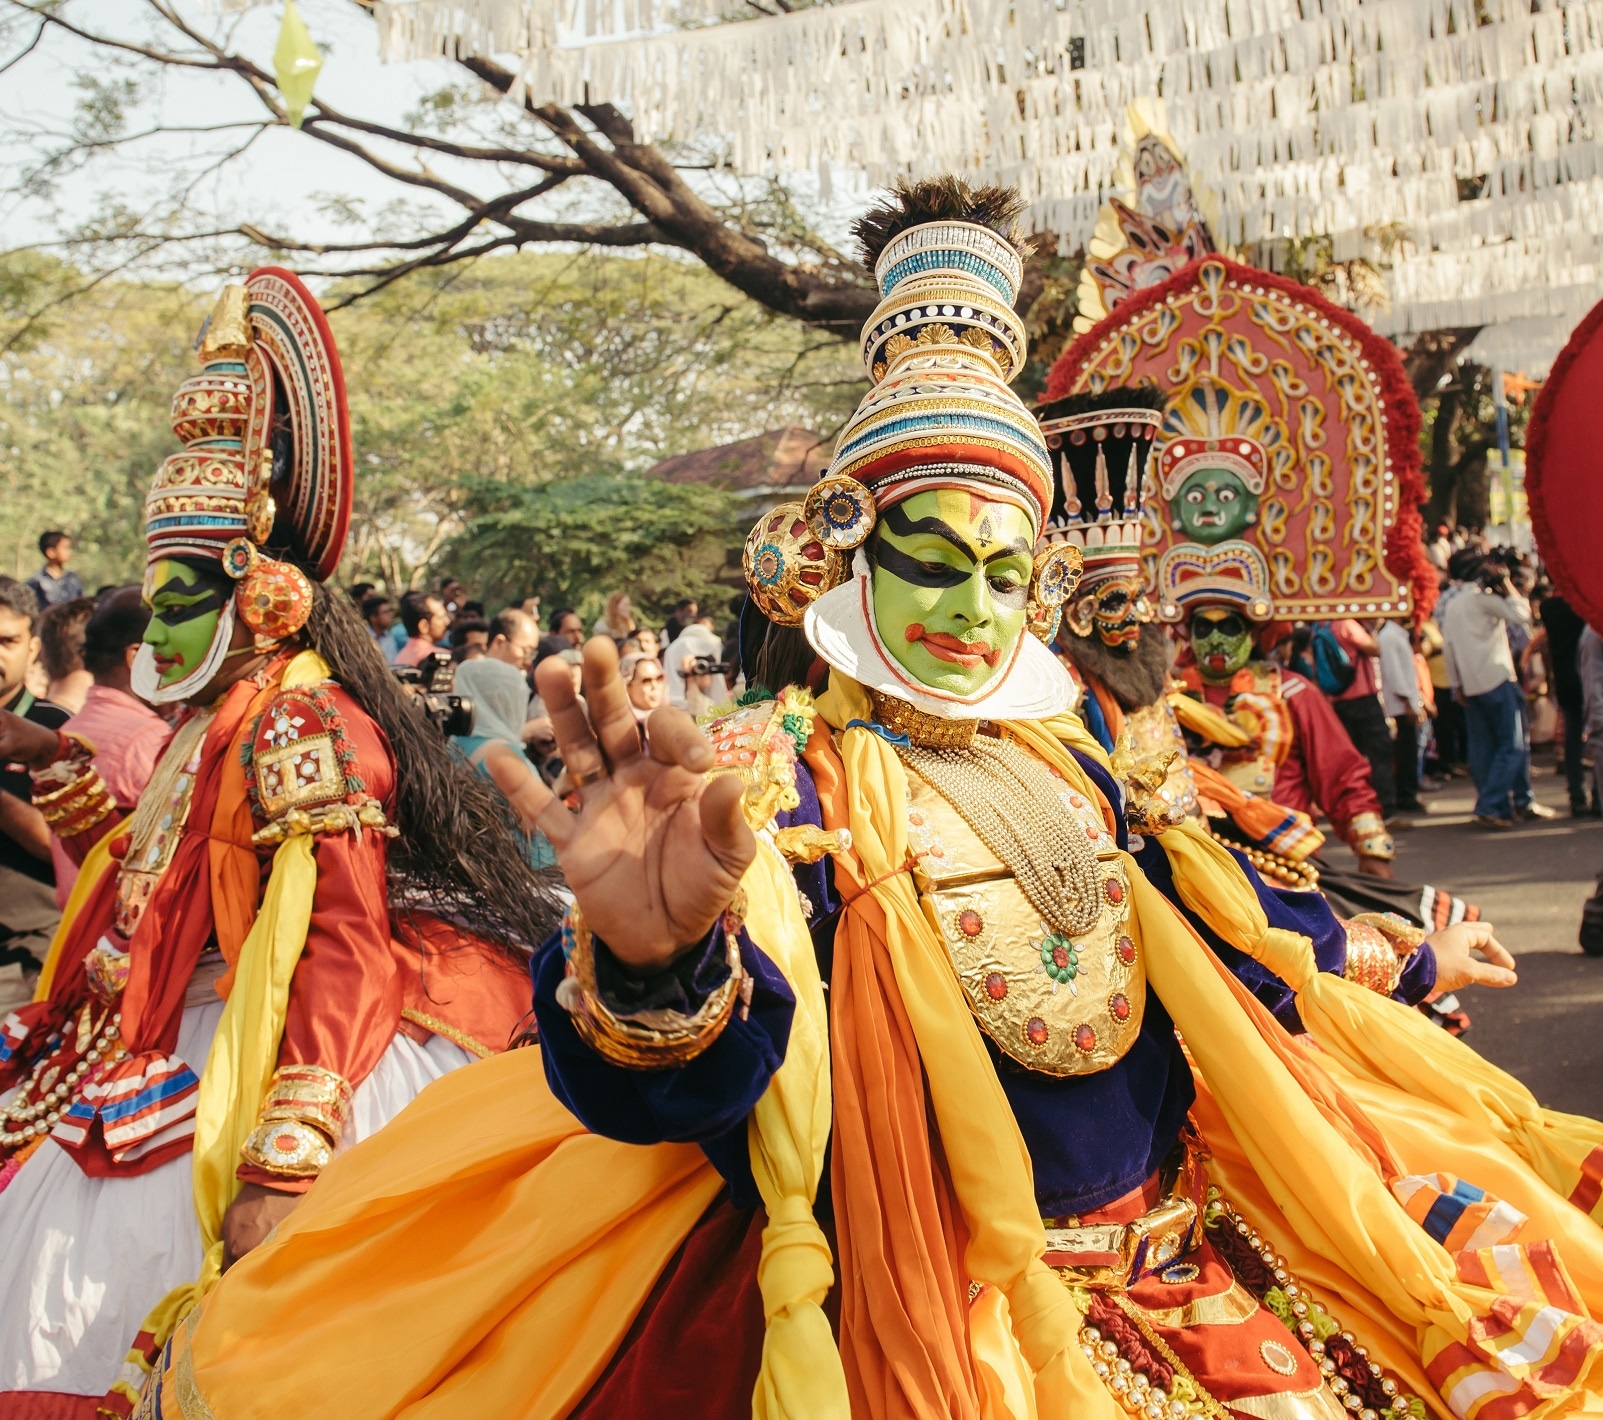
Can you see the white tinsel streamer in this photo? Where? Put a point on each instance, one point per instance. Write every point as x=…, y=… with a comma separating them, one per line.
x=1472, y=124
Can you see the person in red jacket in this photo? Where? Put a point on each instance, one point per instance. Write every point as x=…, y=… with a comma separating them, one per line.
x=309, y=914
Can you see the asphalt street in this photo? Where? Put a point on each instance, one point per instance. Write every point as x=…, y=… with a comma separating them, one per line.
x=1530, y=884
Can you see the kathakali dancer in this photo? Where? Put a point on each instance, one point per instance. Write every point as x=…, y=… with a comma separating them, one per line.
x=1040, y=1203
x=309, y=915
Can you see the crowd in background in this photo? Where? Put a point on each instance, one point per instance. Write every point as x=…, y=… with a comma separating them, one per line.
x=1503, y=663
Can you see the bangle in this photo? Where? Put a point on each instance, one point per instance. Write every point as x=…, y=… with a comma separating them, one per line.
x=76, y=806
x=301, y=1121
x=1369, y=839
x=649, y=1040
x=1372, y=961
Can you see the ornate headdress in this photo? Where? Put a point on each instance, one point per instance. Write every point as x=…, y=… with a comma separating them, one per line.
x=1233, y=574
x=263, y=483
x=940, y=347
x=1102, y=445
x=1292, y=427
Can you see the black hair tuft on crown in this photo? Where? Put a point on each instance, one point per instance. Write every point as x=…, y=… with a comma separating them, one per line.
x=1141, y=396
x=942, y=199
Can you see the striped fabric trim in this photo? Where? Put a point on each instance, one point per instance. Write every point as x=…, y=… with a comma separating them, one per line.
x=1294, y=836
x=1589, y=1190
x=1438, y=909
x=12, y=1033
x=1532, y=1343
x=146, y=1101
x=1456, y=1213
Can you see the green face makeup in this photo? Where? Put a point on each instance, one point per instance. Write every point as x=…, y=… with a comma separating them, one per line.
x=184, y=612
x=1214, y=504
x=951, y=577
x=1221, y=641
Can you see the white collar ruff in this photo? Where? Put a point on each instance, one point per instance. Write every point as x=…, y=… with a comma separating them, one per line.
x=840, y=627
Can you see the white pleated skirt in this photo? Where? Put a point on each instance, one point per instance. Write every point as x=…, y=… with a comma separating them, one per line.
x=83, y=1260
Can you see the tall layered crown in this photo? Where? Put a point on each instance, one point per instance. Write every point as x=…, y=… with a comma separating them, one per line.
x=941, y=347
x=1101, y=446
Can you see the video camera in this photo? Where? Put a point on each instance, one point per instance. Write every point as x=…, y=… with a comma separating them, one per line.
x=707, y=665
x=432, y=681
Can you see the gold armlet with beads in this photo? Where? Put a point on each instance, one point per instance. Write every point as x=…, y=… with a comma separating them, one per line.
x=301, y=1123
x=1369, y=839
x=1379, y=947
x=70, y=792
x=651, y=1039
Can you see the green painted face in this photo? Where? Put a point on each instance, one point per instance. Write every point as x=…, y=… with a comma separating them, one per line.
x=1221, y=640
x=1213, y=504
x=185, y=606
x=951, y=578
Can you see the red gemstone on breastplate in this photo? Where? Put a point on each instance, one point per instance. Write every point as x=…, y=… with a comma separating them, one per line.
x=996, y=985
x=1035, y=1031
x=1119, y=1007
x=1115, y=891
x=970, y=923
x=1084, y=1039
x=1126, y=950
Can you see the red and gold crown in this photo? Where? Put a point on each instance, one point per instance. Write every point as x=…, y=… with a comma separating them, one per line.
x=266, y=465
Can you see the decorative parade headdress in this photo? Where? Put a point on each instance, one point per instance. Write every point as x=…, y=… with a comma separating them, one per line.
x=1291, y=426
x=263, y=483
x=1102, y=445
x=1233, y=574
x=940, y=347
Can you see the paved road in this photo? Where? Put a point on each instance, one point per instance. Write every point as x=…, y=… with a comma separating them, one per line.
x=1530, y=883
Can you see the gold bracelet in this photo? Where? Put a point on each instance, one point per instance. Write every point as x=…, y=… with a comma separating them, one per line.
x=647, y=1040
x=1369, y=839
x=1372, y=961
x=78, y=806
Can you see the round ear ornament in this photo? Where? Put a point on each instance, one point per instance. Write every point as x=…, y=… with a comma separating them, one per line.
x=840, y=512
x=239, y=556
x=789, y=566
x=1056, y=574
x=275, y=599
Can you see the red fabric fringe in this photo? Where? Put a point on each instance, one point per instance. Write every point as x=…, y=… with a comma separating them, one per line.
x=1585, y=597
x=1405, y=553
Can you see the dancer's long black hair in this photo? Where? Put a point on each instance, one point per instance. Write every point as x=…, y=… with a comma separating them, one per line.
x=457, y=853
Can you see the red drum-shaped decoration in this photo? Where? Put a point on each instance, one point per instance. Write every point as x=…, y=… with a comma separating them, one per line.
x=1564, y=470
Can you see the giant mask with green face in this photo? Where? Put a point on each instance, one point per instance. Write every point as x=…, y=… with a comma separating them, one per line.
x=1213, y=504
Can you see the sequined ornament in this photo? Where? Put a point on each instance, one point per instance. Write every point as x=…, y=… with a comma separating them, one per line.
x=1056, y=574
x=788, y=567
x=840, y=511
x=275, y=599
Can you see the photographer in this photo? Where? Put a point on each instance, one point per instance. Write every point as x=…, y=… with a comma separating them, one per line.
x=694, y=660
x=1480, y=670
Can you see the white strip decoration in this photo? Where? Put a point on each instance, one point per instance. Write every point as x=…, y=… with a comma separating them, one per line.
x=1475, y=124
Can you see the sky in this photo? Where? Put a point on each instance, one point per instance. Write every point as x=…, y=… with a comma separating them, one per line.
x=281, y=182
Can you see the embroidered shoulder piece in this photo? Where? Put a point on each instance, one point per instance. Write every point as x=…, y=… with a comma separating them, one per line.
x=761, y=742
x=301, y=768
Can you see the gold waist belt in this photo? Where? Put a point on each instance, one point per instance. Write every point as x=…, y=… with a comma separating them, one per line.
x=1114, y=1256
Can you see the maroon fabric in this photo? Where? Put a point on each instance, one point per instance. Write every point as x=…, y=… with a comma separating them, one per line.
x=46, y=1405
x=694, y=1351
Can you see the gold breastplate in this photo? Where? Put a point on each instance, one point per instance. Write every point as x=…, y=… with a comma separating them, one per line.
x=1059, y=1005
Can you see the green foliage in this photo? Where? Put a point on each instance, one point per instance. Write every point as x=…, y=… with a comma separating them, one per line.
x=84, y=396
x=471, y=390
x=572, y=541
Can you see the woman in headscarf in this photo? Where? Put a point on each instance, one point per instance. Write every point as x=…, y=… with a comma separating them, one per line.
x=494, y=750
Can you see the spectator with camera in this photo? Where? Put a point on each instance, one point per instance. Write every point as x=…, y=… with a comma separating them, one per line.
x=1480, y=670
x=694, y=662
x=426, y=620
x=494, y=750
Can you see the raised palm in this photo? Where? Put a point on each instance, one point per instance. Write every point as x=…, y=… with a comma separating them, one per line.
x=656, y=850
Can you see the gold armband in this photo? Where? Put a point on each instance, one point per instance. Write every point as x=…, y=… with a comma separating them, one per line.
x=1372, y=960
x=70, y=792
x=301, y=1121
x=651, y=1039
x=1369, y=839
x=335, y=818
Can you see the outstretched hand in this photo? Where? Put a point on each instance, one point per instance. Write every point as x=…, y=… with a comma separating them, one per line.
x=656, y=850
x=1456, y=966
x=25, y=743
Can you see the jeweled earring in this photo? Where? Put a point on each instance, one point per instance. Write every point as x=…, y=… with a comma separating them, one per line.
x=275, y=600
x=788, y=566
x=1054, y=577
x=840, y=511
